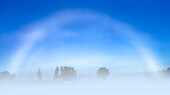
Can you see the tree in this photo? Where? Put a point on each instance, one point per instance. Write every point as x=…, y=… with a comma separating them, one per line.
x=56, y=74
x=67, y=73
x=7, y=76
x=103, y=72
x=39, y=74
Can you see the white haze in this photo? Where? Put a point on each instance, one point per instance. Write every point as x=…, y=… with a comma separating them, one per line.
x=117, y=85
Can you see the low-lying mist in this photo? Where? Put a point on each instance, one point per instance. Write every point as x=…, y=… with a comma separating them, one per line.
x=118, y=84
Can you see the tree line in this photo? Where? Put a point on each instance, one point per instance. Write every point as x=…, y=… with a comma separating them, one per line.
x=64, y=73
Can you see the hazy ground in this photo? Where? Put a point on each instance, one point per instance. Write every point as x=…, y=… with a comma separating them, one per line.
x=110, y=86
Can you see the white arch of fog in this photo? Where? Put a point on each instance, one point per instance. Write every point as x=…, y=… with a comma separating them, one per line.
x=40, y=29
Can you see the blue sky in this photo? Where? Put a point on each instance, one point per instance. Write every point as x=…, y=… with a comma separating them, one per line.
x=151, y=17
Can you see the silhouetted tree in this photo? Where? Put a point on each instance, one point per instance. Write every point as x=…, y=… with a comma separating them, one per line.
x=56, y=74
x=67, y=73
x=168, y=70
x=39, y=74
x=7, y=76
x=103, y=72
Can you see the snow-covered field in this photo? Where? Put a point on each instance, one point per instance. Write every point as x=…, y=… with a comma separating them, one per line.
x=110, y=86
